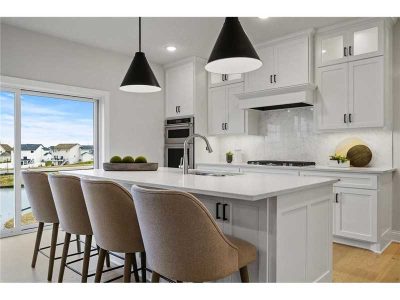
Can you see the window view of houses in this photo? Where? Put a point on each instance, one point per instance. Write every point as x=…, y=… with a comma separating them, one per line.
x=56, y=134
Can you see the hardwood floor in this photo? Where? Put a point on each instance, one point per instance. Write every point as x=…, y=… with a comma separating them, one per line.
x=349, y=264
x=352, y=264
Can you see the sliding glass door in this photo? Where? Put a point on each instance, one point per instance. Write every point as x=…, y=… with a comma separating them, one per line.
x=41, y=132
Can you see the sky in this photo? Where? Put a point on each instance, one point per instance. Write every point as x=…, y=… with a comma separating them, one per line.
x=45, y=120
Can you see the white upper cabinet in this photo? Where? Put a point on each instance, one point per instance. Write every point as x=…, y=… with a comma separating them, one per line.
x=261, y=78
x=186, y=90
x=355, y=42
x=332, y=96
x=179, y=89
x=223, y=79
x=291, y=63
x=224, y=114
x=285, y=63
x=366, y=93
x=351, y=95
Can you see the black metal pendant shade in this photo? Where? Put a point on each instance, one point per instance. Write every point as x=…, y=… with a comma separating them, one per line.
x=140, y=78
x=233, y=52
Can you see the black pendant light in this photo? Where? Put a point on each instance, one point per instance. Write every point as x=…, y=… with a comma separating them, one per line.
x=140, y=78
x=233, y=52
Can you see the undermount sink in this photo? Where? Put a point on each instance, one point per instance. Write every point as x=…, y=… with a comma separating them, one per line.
x=213, y=173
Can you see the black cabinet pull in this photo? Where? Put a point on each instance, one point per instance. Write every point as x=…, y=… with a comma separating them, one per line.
x=222, y=126
x=224, y=218
x=350, y=53
x=226, y=126
x=344, y=118
x=176, y=109
x=217, y=210
x=345, y=51
x=337, y=197
x=349, y=118
x=270, y=79
x=275, y=78
x=179, y=109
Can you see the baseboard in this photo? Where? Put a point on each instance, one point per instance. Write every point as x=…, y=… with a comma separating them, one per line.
x=396, y=236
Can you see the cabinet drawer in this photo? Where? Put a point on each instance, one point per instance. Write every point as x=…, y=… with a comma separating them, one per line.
x=360, y=181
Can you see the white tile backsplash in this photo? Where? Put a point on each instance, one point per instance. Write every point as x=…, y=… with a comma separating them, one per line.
x=290, y=134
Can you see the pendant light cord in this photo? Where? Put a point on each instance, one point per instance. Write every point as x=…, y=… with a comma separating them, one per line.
x=140, y=34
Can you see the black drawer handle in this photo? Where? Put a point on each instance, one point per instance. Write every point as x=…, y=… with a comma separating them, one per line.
x=217, y=211
x=337, y=197
x=345, y=51
x=344, y=118
x=224, y=218
x=270, y=79
x=275, y=78
x=349, y=118
x=350, y=52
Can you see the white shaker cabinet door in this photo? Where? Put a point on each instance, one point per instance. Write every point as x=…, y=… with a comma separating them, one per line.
x=332, y=96
x=179, y=90
x=262, y=78
x=217, y=110
x=356, y=214
x=291, y=62
x=242, y=221
x=236, y=116
x=366, y=96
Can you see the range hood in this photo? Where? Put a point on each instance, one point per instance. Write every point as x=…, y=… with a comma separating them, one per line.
x=285, y=97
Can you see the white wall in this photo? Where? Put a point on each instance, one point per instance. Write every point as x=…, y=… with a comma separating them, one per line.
x=136, y=121
x=396, y=120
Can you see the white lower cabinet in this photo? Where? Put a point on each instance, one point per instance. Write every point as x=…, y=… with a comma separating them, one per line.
x=355, y=213
x=241, y=220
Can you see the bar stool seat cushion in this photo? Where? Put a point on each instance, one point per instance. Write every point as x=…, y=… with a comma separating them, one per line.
x=247, y=252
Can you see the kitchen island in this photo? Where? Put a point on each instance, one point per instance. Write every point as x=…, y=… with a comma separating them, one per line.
x=288, y=218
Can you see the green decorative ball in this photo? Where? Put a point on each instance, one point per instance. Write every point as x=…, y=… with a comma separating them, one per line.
x=140, y=159
x=128, y=159
x=116, y=159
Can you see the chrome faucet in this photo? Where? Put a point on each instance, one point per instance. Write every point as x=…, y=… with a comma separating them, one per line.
x=185, y=150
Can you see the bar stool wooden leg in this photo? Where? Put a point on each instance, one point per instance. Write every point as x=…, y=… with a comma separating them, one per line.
x=100, y=264
x=155, y=277
x=128, y=267
x=67, y=239
x=86, y=257
x=37, y=244
x=244, y=274
x=108, y=264
x=52, y=251
x=78, y=243
x=135, y=268
x=143, y=265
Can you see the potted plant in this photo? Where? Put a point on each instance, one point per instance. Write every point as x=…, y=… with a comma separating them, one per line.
x=339, y=161
x=229, y=157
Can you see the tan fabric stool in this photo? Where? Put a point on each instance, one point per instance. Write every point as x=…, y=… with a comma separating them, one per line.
x=182, y=240
x=74, y=219
x=115, y=226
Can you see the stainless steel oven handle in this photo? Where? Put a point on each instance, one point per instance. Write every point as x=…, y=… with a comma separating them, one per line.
x=179, y=125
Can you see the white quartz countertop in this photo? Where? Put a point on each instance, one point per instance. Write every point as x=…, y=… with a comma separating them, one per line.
x=366, y=170
x=251, y=187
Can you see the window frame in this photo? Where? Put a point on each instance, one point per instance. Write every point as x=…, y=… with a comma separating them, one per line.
x=101, y=127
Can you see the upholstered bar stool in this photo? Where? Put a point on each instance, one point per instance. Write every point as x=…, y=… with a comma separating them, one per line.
x=115, y=226
x=74, y=219
x=182, y=240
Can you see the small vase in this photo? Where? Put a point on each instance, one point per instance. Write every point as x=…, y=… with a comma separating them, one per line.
x=229, y=158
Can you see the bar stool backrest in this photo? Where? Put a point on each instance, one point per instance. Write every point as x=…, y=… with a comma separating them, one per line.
x=182, y=240
x=40, y=197
x=113, y=216
x=70, y=204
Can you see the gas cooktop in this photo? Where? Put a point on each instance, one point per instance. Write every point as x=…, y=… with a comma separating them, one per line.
x=281, y=163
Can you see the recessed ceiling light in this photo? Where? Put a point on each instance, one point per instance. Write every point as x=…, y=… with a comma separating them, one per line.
x=263, y=18
x=171, y=48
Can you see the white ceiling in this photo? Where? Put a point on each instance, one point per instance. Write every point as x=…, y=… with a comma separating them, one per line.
x=191, y=36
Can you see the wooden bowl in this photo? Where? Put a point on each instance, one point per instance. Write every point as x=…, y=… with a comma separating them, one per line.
x=130, y=166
